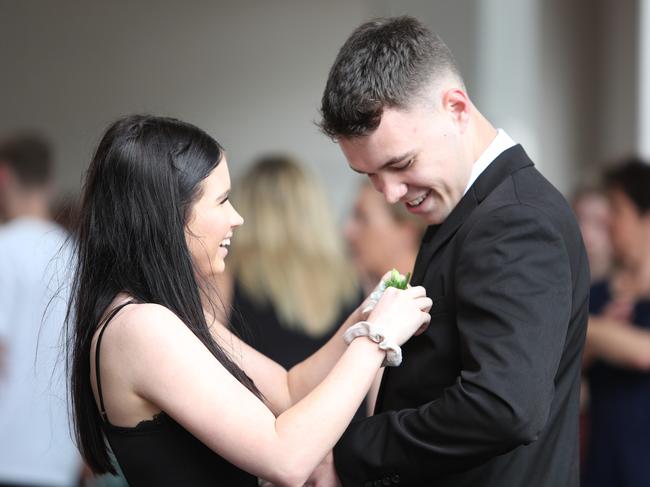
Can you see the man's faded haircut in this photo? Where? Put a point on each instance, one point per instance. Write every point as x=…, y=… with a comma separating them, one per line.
x=385, y=63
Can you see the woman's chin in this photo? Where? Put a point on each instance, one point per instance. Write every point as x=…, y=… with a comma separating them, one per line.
x=214, y=268
x=219, y=266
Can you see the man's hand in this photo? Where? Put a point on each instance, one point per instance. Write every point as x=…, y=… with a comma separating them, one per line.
x=325, y=474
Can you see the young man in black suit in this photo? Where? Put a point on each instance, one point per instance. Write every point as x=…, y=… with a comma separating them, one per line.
x=488, y=395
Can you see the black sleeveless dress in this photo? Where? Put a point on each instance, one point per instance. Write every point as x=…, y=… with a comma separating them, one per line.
x=160, y=452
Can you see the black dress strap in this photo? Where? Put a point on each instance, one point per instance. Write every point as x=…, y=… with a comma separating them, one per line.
x=102, y=409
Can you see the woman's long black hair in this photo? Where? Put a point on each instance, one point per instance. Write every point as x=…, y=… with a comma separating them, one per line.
x=138, y=193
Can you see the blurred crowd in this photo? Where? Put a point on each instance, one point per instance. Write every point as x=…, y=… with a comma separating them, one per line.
x=294, y=274
x=615, y=222
x=35, y=446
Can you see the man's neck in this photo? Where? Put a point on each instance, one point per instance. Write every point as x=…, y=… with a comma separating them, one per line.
x=483, y=135
x=29, y=206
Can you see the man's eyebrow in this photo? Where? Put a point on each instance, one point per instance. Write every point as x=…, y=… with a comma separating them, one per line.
x=389, y=162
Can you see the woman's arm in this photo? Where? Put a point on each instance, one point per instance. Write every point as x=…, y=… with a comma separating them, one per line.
x=282, y=388
x=304, y=376
x=371, y=398
x=618, y=342
x=169, y=367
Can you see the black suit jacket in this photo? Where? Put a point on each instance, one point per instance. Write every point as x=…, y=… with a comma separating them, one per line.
x=488, y=395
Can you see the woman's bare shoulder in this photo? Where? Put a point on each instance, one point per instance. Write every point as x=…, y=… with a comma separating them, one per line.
x=139, y=325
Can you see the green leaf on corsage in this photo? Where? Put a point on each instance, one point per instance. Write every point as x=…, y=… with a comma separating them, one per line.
x=397, y=280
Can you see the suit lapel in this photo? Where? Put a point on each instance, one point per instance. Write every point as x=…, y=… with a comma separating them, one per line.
x=436, y=236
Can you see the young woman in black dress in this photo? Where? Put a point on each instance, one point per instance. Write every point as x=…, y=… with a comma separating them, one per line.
x=176, y=395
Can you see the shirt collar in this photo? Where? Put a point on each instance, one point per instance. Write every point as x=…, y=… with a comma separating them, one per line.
x=501, y=142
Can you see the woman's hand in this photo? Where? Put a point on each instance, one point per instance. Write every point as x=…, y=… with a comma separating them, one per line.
x=401, y=313
x=387, y=280
x=373, y=298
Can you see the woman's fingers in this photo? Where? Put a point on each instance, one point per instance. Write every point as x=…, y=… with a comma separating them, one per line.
x=427, y=320
x=424, y=303
x=416, y=291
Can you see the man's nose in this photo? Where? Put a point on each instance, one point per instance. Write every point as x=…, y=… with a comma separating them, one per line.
x=392, y=190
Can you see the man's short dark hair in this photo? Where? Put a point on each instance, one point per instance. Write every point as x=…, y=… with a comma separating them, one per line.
x=29, y=156
x=632, y=177
x=386, y=62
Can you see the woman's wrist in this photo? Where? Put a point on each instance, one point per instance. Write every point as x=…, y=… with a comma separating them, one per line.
x=377, y=334
x=354, y=317
x=366, y=346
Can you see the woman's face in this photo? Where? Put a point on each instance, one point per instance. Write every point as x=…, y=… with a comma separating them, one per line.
x=374, y=237
x=211, y=223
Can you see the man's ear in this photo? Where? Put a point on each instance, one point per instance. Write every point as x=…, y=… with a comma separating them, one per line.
x=456, y=103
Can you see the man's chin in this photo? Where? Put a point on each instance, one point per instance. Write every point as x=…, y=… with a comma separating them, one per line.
x=430, y=211
x=433, y=217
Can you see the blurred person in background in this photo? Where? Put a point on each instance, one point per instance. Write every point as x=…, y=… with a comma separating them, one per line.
x=381, y=236
x=617, y=352
x=65, y=211
x=290, y=281
x=35, y=443
x=592, y=210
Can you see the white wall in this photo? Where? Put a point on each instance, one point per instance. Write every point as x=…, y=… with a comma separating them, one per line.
x=251, y=72
x=643, y=133
x=509, y=66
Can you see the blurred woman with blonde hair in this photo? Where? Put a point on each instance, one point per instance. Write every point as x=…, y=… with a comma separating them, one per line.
x=291, y=279
x=381, y=236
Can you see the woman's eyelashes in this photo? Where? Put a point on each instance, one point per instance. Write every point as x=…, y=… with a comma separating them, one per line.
x=224, y=198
